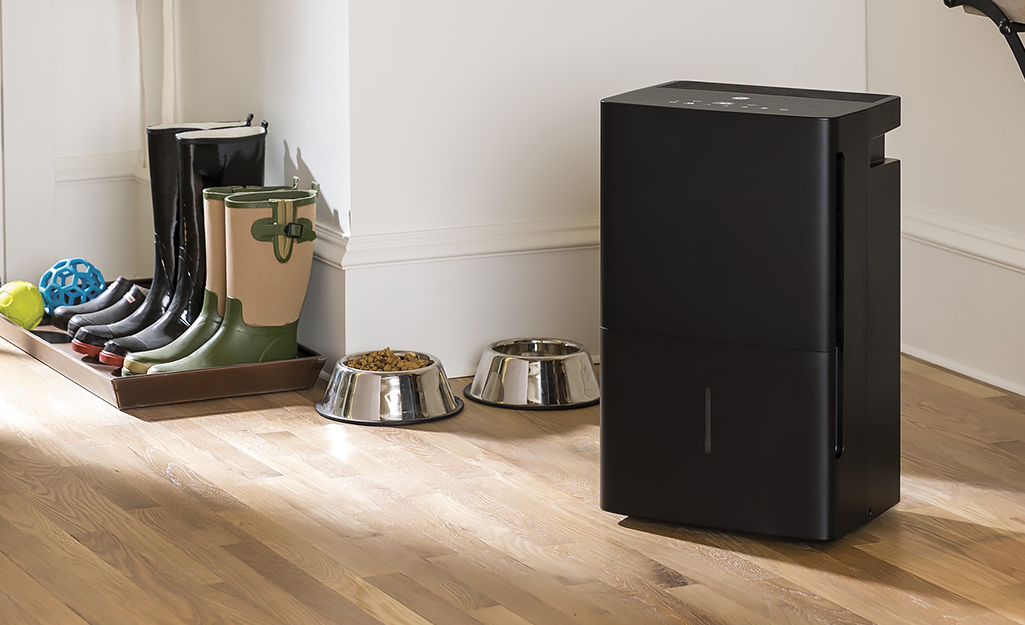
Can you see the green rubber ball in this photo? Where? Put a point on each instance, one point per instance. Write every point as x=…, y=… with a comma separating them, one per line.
x=22, y=303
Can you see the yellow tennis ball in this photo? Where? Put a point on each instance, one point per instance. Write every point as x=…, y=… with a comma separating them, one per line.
x=22, y=303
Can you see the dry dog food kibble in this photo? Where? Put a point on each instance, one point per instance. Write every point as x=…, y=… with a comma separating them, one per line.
x=387, y=360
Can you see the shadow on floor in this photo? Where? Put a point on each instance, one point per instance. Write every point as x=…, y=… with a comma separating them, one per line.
x=289, y=399
x=484, y=422
x=915, y=552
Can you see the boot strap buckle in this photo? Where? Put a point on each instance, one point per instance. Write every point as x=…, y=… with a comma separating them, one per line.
x=293, y=230
x=283, y=236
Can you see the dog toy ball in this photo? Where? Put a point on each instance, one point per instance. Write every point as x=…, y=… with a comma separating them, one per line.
x=22, y=303
x=70, y=282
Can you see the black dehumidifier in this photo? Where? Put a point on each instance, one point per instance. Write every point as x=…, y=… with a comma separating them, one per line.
x=750, y=308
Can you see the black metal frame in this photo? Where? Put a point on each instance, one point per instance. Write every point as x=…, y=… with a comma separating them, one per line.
x=1008, y=28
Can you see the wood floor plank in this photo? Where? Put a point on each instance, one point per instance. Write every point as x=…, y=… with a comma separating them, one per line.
x=304, y=559
x=121, y=493
x=721, y=607
x=726, y=568
x=32, y=597
x=948, y=378
x=1008, y=601
x=304, y=452
x=425, y=573
x=183, y=600
x=69, y=501
x=245, y=589
x=215, y=449
x=539, y=602
x=339, y=566
x=75, y=575
x=936, y=551
x=499, y=615
x=956, y=413
x=300, y=584
x=258, y=511
x=422, y=601
x=177, y=473
x=180, y=503
x=14, y=614
x=635, y=609
x=475, y=554
x=850, y=572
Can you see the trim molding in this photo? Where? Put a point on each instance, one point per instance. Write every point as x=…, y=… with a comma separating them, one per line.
x=329, y=247
x=141, y=173
x=400, y=248
x=95, y=167
x=963, y=237
x=971, y=372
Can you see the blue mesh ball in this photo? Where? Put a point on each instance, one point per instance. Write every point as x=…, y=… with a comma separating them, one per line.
x=70, y=282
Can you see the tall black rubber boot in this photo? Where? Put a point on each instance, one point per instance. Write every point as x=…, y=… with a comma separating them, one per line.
x=163, y=161
x=206, y=158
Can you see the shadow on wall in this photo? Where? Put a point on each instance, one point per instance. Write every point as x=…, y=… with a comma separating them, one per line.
x=326, y=216
x=322, y=321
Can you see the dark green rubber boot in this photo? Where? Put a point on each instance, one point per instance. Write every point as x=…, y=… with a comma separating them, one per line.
x=236, y=342
x=201, y=331
x=269, y=249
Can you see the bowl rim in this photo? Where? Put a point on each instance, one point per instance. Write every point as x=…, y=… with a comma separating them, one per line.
x=435, y=362
x=580, y=347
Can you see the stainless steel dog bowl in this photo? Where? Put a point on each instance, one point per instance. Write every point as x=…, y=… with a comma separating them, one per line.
x=535, y=374
x=389, y=397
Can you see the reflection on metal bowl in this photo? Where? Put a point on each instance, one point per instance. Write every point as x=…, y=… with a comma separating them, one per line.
x=535, y=374
x=389, y=397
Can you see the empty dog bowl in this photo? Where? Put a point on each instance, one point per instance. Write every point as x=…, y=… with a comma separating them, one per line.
x=541, y=374
x=389, y=397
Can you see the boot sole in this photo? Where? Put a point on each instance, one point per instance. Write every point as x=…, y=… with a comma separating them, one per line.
x=112, y=359
x=132, y=367
x=84, y=348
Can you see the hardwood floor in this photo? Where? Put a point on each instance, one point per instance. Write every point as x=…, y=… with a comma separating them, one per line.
x=258, y=511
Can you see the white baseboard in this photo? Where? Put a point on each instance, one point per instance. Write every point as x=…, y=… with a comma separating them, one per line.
x=971, y=372
x=329, y=247
x=454, y=308
x=963, y=297
x=963, y=237
x=472, y=242
x=95, y=167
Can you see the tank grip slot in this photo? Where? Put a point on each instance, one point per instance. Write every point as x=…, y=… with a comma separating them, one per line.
x=708, y=420
x=839, y=301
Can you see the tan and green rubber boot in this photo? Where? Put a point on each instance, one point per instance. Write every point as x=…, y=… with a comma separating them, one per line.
x=269, y=252
x=215, y=295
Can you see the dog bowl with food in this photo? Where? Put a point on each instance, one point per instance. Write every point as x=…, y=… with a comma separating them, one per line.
x=388, y=388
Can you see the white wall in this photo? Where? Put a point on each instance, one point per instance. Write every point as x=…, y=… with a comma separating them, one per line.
x=475, y=147
x=471, y=175
x=71, y=121
x=28, y=105
x=286, y=62
x=963, y=220
x=471, y=113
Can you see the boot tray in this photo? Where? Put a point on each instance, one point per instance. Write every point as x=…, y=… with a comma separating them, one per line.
x=52, y=346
